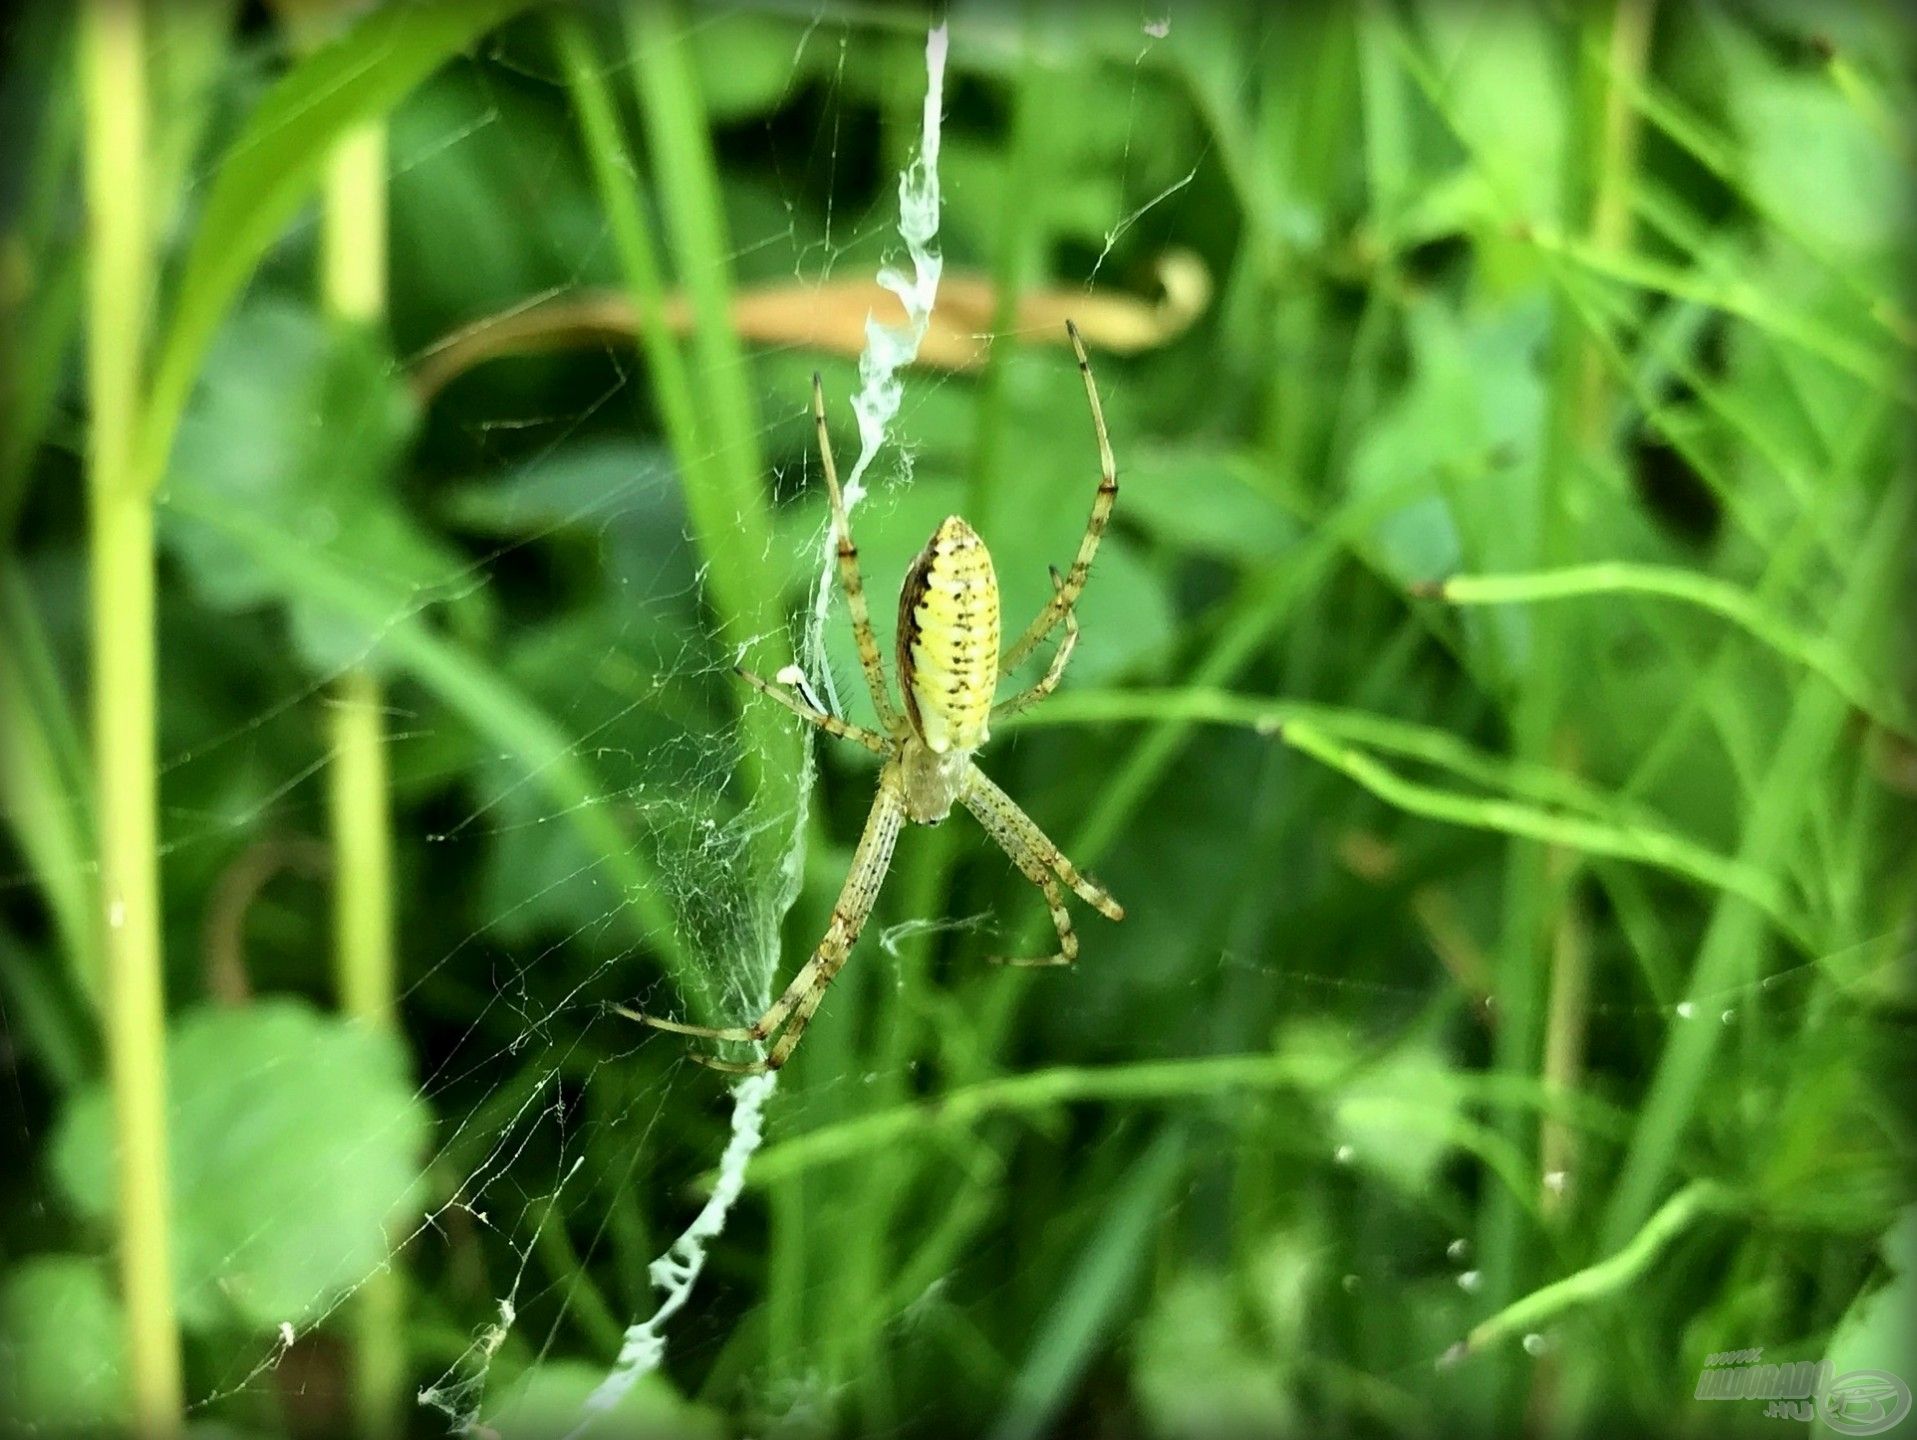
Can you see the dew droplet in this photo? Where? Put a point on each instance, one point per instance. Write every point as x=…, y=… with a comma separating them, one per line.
x=1727, y=1017
x=116, y=913
x=1345, y=1154
x=1685, y=1009
x=1471, y=1281
x=1350, y=1284
x=1535, y=1344
x=1457, y=1249
x=1555, y=1180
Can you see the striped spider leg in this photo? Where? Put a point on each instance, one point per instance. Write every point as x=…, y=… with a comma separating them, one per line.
x=950, y=667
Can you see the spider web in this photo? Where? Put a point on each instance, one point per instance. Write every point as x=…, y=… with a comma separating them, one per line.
x=526, y=1101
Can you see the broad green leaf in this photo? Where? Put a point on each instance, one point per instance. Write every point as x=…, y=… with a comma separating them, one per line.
x=548, y=1402
x=1197, y=1371
x=1208, y=502
x=1877, y=1332
x=62, y=1347
x=616, y=504
x=302, y=426
x=296, y=1147
x=1507, y=86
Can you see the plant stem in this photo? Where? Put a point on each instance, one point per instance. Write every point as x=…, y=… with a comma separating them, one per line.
x=353, y=287
x=707, y=410
x=1023, y=240
x=1569, y=989
x=1607, y=1276
x=363, y=850
x=736, y=523
x=729, y=517
x=120, y=286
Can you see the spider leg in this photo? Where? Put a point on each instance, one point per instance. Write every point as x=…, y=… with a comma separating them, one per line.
x=1037, y=858
x=1067, y=953
x=849, y=578
x=1066, y=595
x=793, y=1010
x=1048, y=682
x=831, y=724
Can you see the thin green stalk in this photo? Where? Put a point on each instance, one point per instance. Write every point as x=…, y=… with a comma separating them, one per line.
x=353, y=288
x=1607, y=1277
x=1022, y=242
x=120, y=286
x=1733, y=938
x=1568, y=987
x=1816, y=653
x=1533, y=894
x=1574, y=832
x=725, y=498
x=733, y=516
x=1231, y=1077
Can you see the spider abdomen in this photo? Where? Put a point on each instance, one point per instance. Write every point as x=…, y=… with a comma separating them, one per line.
x=948, y=639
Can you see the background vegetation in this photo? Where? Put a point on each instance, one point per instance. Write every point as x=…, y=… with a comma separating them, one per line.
x=1514, y=1003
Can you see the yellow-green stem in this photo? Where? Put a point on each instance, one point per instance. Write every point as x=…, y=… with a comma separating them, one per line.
x=120, y=284
x=362, y=850
x=1567, y=1006
x=353, y=289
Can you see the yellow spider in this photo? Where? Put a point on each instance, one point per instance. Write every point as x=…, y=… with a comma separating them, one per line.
x=949, y=671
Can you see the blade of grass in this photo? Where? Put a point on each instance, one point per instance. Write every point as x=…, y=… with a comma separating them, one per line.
x=1816, y=653
x=46, y=786
x=1230, y=1077
x=1636, y=842
x=1608, y=1277
x=737, y=524
x=707, y=410
x=113, y=61
x=1086, y=1311
x=1733, y=935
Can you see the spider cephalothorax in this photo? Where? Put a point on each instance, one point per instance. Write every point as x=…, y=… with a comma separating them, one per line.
x=950, y=666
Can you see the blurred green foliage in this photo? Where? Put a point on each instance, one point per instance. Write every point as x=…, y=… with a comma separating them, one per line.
x=1498, y=291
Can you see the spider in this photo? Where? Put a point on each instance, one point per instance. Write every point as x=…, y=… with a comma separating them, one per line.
x=950, y=668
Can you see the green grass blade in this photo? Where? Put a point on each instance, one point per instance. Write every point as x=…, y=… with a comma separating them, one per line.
x=1816, y=653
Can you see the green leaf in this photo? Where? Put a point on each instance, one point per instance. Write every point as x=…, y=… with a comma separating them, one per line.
x=548, y=1402
x=1507, y=87
x=618, y=502
x=1208, y=502
x=296, y=1141
x=1462, y=444
x=302, y=426
x=62, y=1347
x=1877, y=1332
x=1197, y=1372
